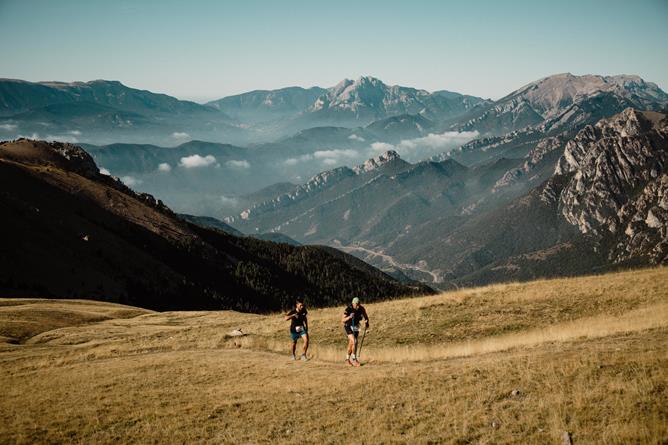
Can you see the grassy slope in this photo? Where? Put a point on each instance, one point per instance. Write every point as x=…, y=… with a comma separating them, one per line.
x=588, y=356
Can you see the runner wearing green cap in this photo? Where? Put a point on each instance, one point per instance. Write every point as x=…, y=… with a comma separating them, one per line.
x=352, y=318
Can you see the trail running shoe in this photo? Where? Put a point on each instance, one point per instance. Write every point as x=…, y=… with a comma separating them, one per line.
x=294, y=358
x=356, y=363
x=348, y=362
x=304, y=358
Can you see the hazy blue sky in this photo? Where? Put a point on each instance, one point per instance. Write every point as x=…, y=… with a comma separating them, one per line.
x=208, y=49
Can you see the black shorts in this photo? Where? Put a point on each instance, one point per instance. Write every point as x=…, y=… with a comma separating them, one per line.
x=349, y=331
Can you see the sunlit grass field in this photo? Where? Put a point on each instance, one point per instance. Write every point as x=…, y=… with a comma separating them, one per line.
x=511, y=363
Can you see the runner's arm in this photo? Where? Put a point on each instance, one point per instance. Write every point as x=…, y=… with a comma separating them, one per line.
x=366, y=317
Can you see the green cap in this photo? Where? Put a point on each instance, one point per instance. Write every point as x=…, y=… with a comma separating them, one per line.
x=356, y=300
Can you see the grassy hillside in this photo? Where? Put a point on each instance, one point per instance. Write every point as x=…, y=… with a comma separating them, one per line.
x=511, y=363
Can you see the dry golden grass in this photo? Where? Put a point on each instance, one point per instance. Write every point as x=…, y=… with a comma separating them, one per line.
x=587, y=355
x=23, y=318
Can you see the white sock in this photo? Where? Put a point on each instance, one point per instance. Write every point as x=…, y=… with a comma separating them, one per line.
x=352, y=356
x=347, y=356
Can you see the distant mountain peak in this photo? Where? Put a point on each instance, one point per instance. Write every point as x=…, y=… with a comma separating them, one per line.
x=549, y=94
x=363, y=93
x=362, y=80
x=370, y=97
x=567, y=101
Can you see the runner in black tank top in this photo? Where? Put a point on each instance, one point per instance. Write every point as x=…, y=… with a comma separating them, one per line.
x=352, y=320
x=298, y=327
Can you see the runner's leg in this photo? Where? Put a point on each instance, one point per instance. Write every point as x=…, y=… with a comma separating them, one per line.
x=351, y=343
x=305, y=337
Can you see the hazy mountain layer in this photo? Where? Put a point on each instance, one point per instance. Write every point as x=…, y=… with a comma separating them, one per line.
x=69, y=231
x=442, y=221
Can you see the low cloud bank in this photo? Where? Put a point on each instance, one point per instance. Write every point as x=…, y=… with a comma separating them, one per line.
x=180, y=135
x=327, y=157
x=197, y=161
x=417, y=149
x=239, y=164
x=229, y=201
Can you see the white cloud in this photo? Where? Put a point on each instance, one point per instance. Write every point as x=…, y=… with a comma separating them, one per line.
x=8, y=127
x=164, y=167
x=381, y=146
x=297, y=160
x=61, y=138
x=238, y=163
x=229, y=201
x=180, y=135
x=196, y=161
x=335, y=154
x=131, y=181
x=354, y=137
x=75, y=132
x=32, y=136
x=425, y=147
x=104, y=171
x=327, y=157
x=449, y=139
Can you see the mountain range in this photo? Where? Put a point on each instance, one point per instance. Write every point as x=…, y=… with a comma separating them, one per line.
x=594, y=200
x=70, y=231
x=368, y=99
x=441, y=187
x=89, y=111
x=102, y=112
x=105, y=111
x=267, y=105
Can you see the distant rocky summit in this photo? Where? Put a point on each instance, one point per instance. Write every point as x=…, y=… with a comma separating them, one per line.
x=563, y=101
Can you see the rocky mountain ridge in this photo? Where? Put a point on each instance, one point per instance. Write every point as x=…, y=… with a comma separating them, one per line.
x=618, y=186
x=598, y=193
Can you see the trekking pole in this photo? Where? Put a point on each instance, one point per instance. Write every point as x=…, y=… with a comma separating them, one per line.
x=361, y=343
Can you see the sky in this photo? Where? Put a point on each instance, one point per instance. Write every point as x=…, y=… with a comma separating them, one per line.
x=204, y=50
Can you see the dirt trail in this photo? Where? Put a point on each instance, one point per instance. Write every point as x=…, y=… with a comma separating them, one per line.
x=649, y=317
